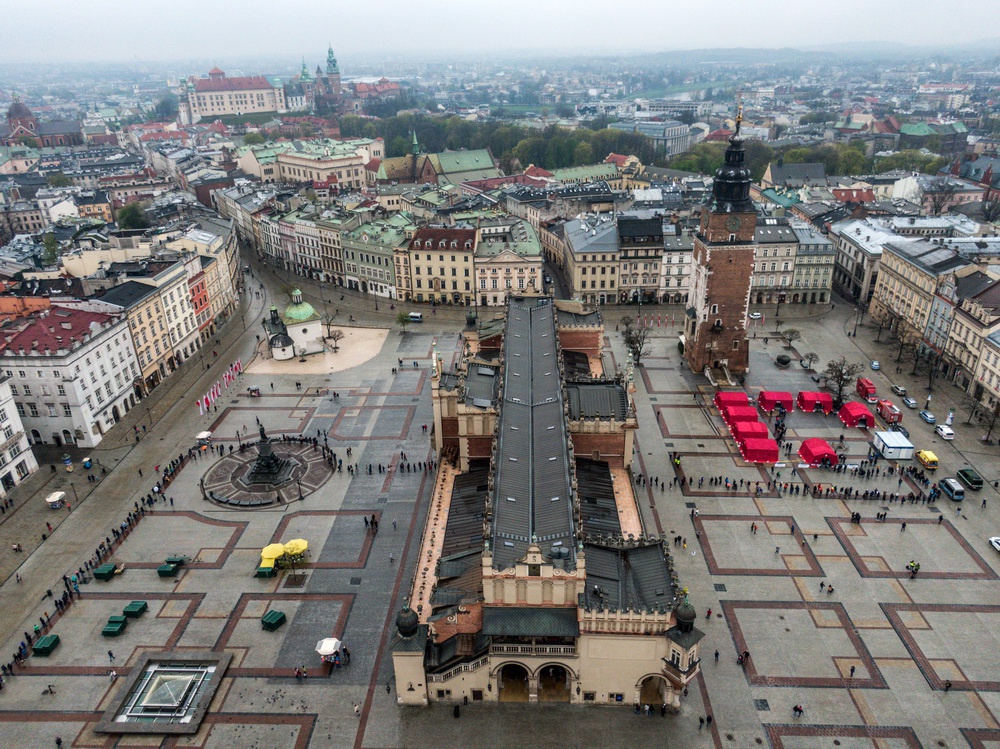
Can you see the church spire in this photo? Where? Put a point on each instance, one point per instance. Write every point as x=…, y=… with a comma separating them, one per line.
x=331, y=61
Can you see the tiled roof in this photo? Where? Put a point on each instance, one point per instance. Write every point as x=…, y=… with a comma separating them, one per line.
x=55, y=331
x=243, y=83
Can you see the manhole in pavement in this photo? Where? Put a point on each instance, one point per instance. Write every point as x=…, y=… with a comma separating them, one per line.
x=295, y=581
x=720, y=587
x=652, y=400
x=355, y=581
x=414, y=400
x=668, y=444
x=380, y=501
x=761, y=705
x=690, y=505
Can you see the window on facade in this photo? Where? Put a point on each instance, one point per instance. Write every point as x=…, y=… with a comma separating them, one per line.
x=33, y=409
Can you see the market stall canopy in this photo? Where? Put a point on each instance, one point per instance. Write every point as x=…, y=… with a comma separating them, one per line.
x=740, y=413
x=814, y=451
x=296, y=546
x=759, y=450
x=55, y=498
x=329, y=646
x=814, y=402
x=725, y=398
x=855, y=415
x=742, y=430
x=272, y=551
x=769, y=400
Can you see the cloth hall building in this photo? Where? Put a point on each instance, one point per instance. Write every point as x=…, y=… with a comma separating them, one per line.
x=537, y=579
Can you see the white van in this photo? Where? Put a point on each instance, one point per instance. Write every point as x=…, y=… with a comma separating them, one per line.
x=953, y=490
x=416, y=316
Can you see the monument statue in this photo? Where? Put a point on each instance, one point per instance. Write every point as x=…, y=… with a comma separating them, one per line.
x=263, y=434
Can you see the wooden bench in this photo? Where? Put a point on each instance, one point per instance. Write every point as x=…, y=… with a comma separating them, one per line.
x=135, y=609
x=272, y=620
x=45, y=645
x=104, y=572
x=167, y=570
x=179, y=561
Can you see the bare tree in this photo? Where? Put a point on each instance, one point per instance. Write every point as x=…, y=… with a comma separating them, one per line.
x=940, y=195
x=636, y=340
x=909, y=341
x=839, y=374
x=336, y=336
x=990, y=210
x=790, y=336
x=809, y=359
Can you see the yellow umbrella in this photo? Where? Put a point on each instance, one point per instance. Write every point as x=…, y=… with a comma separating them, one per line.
x=296, y=546
x=272, y=551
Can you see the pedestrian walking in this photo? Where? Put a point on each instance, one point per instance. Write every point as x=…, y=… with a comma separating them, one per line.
x=852, y=671
x=716, y=656
x=701, y=723
x=111, y=656
x=357, y=709
x=902, y=527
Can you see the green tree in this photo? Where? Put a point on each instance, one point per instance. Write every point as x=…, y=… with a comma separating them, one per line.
x=166, y=108
x=254, y=139
x=133, y=216
x=51, y=252
x=28, y=142
x=583, y=154
x=402, y=319
x=58, y=179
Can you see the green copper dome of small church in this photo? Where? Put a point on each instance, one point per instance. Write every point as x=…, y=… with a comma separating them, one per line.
x=298, y=311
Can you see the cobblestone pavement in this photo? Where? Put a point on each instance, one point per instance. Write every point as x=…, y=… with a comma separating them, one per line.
x=869, y=662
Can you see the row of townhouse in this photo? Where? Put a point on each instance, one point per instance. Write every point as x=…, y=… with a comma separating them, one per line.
x=641, y=256
x=384, y=254
x=144, y=309
x=941, y=296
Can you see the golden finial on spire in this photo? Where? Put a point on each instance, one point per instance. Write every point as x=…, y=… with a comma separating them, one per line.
x=739, y=110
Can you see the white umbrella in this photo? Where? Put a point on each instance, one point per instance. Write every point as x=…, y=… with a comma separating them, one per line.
x=328, y=646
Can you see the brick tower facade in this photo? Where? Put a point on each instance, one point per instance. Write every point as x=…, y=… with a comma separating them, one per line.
x=723, y=257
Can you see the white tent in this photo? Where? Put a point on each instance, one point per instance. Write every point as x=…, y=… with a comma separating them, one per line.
x=328, y=646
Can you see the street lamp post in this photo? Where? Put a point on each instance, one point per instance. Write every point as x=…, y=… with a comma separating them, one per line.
x=73, y=487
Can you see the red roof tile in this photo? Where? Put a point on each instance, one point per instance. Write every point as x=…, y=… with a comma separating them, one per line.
x=54, y=330
x=248, y=83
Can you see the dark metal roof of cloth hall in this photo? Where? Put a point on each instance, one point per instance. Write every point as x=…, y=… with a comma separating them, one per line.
x=530, y=621
x=532, y=497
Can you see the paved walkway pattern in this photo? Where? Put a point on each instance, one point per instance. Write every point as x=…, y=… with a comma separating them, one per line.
x=884, y=660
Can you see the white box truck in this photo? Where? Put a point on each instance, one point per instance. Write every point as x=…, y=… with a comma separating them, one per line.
x=893, y=445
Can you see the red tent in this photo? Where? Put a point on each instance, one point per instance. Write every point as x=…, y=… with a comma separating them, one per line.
x=726, y=398
x=768, y=399
x=856, y=415
x=815, y=451
x=759, y=451
x=814, y=402
x=740, y=413
x=742, y=430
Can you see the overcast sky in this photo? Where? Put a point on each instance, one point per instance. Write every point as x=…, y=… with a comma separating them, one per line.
x=143, y=30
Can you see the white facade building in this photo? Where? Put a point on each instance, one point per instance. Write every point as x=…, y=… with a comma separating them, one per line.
x=71, y=375
x=17, y=462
